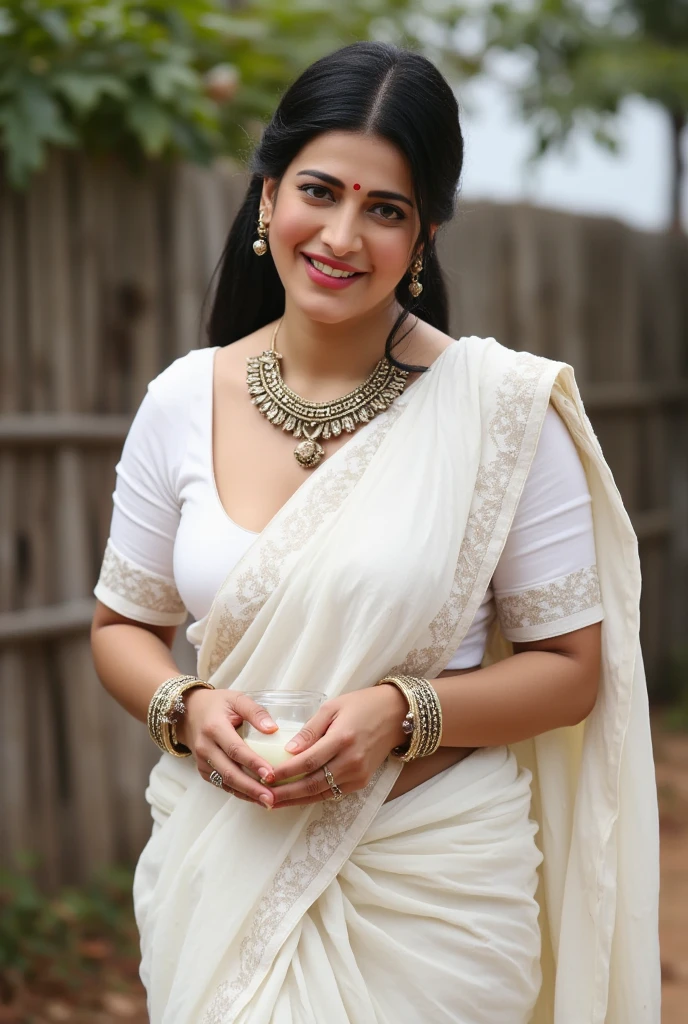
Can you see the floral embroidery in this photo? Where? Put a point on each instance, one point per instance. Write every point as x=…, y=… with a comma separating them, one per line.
x=321, y=840
x=145, y=589
x=559, y=599
x=506, y=431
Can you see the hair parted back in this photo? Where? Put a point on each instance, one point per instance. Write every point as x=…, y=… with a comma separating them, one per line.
x=366, y=87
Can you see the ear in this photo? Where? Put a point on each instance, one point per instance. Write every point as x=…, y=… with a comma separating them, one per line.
x=421, y=254
x=268, y=196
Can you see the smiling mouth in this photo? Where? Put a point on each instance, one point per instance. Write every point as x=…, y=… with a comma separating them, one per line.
x=329, y=271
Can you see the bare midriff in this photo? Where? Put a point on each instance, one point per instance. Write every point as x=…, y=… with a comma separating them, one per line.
x=416, y=772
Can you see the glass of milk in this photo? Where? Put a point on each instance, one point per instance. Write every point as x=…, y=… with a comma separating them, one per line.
x=290, y=709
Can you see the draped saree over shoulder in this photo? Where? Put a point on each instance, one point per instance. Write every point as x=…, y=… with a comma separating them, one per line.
x=423, y=909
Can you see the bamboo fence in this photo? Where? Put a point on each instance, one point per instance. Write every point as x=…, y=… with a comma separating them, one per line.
x=102, y=277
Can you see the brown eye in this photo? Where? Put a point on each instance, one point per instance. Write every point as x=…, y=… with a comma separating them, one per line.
x=304, y=188
x=400, y=215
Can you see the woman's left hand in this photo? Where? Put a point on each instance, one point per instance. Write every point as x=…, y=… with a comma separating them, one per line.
x=352, y=735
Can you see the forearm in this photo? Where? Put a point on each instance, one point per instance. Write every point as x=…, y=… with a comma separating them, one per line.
x=514, y=699
x=131, y=663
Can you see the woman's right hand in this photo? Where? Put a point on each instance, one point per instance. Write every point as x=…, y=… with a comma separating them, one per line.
x=208, y=727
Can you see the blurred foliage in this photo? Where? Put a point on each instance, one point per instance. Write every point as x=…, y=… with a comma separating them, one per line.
x=193, y=78
x=61, y=938
x=584, y=57
x=581, y=62
x=199, y=78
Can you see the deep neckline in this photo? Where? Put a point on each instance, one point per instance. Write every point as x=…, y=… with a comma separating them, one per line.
x=211, y=447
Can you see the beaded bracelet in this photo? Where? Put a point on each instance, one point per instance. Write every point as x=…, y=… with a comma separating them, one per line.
x=165, y=706
x=424, y=716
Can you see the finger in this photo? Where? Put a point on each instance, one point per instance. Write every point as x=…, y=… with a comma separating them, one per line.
x=314, y=729
x=312, y=786
x=236, y=749
x=234, y=778
x=230, y=792
x=319, y=799
x=253, y=713
x=322, y=751
x=305, y=789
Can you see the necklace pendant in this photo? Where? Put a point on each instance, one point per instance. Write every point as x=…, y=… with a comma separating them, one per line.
x=308, y=453
x=318, y=420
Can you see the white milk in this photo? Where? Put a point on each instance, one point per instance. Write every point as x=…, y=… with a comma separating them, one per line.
x=270, y=746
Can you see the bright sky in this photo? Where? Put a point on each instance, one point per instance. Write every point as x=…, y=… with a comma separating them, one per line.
x=633, y=185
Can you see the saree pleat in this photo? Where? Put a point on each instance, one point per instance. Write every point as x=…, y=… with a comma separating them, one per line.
x=433, y=918
x=443, y=914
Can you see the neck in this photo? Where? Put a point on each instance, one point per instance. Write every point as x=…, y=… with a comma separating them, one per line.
x=319, y=355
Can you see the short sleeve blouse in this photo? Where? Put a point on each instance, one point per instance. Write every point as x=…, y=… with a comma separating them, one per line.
x=172, y=544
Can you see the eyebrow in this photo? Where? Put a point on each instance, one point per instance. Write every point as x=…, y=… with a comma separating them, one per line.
x=340, y=184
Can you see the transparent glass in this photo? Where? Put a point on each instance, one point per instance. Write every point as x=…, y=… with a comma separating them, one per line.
x=290, y=709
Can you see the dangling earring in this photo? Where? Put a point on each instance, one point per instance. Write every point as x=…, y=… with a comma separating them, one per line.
x=415, y=287
x=260, y=246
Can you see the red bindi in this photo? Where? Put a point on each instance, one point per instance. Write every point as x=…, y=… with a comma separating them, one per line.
x=357, y=187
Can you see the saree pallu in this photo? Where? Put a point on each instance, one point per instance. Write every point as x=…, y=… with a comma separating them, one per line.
x=425, y=908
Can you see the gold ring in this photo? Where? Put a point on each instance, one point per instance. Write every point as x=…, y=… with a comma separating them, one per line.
x=336, y=791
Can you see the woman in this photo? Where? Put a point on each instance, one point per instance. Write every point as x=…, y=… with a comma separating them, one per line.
x=463, y=529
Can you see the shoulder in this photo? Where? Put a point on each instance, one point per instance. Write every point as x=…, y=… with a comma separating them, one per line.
x=174, y=387
x=490, y=352
x=503, y=375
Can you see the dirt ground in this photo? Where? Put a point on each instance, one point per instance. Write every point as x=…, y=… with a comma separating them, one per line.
x=671, y=759
x=117, y=996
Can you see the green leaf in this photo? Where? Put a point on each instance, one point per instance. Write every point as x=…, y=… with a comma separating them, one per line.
x=53, y=20
x=33, y=120
x=84, y=91
x=151, y=124
x=7, y=23
x=168, y=79
x=43, y=113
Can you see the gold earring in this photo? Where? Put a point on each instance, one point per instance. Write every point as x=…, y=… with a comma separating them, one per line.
x=415, y=287
x=260, y=246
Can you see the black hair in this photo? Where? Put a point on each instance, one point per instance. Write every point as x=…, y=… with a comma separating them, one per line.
x=369, y=88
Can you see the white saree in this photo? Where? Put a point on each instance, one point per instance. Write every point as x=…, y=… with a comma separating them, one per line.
x=520, y=885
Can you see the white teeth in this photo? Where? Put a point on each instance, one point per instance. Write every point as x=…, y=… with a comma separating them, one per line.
x=326, y=269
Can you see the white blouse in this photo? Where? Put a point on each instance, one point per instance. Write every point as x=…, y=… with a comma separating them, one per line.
x=172, y=544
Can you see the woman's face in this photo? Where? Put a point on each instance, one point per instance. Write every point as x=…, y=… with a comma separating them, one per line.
x=338, y=220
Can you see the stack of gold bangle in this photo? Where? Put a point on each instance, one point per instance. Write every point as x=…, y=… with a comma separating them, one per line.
x=425, y=712
x=164, y=709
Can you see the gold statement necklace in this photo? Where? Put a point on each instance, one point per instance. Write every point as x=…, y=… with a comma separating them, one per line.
x=313, y=420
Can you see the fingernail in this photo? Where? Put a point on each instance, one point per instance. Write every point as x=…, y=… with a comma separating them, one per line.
x=269, y=724
x=265, y=773
x=265, y=801
x=291, y=745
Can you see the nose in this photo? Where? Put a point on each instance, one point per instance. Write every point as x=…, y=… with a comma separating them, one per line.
x=341, y=233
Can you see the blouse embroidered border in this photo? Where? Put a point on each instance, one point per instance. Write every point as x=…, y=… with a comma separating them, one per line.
x=141, y=593
x=552, y=602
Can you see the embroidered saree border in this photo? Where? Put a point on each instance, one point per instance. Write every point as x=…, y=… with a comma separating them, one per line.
x=324, y=836
x=492, y=509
